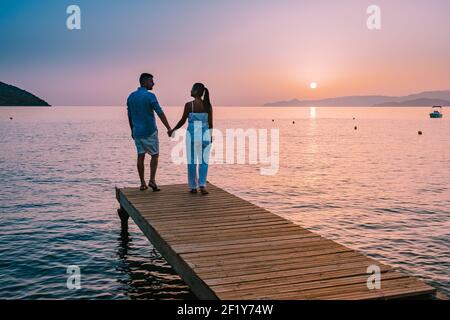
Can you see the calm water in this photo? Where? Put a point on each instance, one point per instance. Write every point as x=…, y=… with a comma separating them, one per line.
x=381, y=189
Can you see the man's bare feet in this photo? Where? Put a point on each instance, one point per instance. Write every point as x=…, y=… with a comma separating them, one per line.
x=143, y=187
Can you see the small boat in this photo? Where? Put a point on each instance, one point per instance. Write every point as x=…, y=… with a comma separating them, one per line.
x=436, y=112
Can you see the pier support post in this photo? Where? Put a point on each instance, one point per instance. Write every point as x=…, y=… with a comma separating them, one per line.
x=123, y=215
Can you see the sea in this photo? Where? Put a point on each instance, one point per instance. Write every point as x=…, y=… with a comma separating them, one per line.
x=375, y=179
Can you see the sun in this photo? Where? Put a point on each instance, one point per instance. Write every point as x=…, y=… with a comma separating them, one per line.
x=313, y=85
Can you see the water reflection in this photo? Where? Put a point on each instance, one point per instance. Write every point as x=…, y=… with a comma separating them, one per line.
x=124, y=240
x=147, y=276
x=312, y=112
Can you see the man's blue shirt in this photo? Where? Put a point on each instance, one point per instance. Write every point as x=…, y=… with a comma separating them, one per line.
x=141, y=104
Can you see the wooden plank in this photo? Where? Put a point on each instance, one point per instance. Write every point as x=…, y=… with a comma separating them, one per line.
x=238, y=244
x=242, y=229
x=189, y=202
x=199, y=215
x=264, y=250
x=194, y=220
x=341, y=257
x=217, y=225
x=199, y=212
x=267, y=277
x=173, y=209
x=322, y=289
x=270, y=264
x=289, y=255
x=237, y=232
x=236, y=229
x=219, y=237
x=396, y=287
x=298, y=280
x=227, y=248
x=185, y=248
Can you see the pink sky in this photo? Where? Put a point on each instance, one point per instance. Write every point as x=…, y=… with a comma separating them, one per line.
x=247, y=54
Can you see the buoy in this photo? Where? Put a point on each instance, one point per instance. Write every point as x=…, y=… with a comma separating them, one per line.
x=420, y=133
x=293, y=122
x=356, y=128
x=273, y=120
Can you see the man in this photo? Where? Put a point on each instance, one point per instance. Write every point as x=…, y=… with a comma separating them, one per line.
x=141, y=107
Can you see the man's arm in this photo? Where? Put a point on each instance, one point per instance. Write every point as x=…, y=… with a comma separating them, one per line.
x=130, y=122
x=155, y=104
x=163, y=118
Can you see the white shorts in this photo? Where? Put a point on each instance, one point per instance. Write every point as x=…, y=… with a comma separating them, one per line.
x=148, y=145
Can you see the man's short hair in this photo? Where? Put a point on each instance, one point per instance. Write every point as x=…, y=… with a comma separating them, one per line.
x=144, y=78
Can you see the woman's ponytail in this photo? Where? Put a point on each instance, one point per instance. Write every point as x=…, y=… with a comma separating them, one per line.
x=206, y=101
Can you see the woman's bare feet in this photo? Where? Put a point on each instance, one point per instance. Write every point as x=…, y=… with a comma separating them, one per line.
x=152, y=184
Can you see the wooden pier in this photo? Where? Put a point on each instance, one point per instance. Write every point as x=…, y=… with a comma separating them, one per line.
x=227, y=248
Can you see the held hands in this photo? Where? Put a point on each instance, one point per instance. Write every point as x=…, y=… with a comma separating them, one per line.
x=171, y=131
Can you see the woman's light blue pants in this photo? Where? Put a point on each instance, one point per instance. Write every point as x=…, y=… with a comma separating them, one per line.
x=198, y=160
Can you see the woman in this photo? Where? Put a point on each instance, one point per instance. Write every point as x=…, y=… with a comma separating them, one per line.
x=198, y=136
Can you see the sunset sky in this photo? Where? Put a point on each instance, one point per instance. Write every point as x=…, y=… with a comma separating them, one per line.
x=247, y=52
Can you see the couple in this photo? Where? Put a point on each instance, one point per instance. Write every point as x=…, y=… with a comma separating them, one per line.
x=141, y=107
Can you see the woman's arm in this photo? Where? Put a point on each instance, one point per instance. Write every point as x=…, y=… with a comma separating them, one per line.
x=210, y=122
x=182, y=120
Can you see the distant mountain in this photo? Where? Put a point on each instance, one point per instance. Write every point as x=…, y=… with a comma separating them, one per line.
x=13, y=96
x=416, y=103
x=426, y=98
